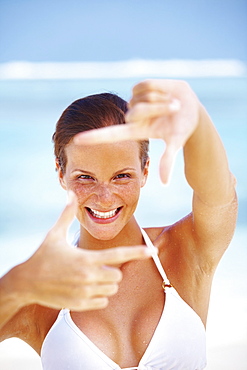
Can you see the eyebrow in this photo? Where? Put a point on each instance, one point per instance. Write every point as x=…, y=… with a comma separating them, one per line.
x=125, y=169
x=84, y=171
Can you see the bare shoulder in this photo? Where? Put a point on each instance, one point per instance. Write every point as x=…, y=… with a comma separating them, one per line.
x=31, y=324
x=168, y=239
x=191, y=249
x=187, y=260
x=187, y=269
x=199, y=238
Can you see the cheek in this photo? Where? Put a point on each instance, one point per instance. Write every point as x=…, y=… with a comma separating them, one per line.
x=131, y=193
x=82, y=192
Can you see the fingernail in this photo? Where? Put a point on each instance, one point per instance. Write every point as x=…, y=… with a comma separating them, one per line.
x=175, y=105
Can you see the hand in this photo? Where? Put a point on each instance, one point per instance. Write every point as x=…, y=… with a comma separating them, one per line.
x=165, y=109
x=58, y=275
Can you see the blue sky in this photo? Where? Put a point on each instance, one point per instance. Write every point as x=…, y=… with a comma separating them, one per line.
x=110, y=30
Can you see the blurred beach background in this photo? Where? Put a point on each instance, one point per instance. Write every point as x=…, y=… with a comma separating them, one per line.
x=51, y=55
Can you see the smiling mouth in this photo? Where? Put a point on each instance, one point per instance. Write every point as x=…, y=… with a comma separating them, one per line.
x=103, y=215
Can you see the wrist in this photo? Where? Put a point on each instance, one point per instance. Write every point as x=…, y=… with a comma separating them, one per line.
x=200, y=129
x=13, y=288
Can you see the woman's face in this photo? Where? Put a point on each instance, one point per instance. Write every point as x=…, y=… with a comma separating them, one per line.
x=107, y=181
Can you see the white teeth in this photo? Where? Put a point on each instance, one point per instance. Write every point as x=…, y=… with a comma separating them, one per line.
x=103, y=214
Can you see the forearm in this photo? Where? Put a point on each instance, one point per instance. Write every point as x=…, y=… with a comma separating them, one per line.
x=206, y=165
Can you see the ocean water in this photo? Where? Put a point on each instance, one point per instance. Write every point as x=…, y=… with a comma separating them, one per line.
x=30, y=195
x=31, y=198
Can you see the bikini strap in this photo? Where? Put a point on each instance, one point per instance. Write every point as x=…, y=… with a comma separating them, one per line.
x=166, y=283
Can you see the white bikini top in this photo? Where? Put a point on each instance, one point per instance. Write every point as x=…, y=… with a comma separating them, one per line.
x=179, y=340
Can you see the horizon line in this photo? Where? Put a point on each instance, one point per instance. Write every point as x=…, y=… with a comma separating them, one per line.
x=19, y=70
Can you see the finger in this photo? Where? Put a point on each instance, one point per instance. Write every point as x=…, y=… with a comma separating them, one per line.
x=100, y=290
x=97, y=303
x=104, y=135
x=90, y=304
x=146, y=110
x=153, y=85
x=67, y=215
x=109, y=274
x=150, y=97
x=167, y=162
x=98, y=272
x=123, y=254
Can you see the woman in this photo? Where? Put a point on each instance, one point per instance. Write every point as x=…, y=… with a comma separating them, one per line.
x=156, y=316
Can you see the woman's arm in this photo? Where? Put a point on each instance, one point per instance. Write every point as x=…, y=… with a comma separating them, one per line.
x=170, y=110
x=214, y=197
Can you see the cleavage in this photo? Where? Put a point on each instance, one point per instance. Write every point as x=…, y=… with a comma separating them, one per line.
x=124, y=329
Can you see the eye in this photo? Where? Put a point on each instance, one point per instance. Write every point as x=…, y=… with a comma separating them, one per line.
x=123, y=176
x=85, y=179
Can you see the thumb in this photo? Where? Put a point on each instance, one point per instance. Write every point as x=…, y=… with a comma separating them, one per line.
x=68, y=214
x=167, y=162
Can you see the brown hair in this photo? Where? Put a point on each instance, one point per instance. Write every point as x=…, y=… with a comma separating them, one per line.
x=91, y=112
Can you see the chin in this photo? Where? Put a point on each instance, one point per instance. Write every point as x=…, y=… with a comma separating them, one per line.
x=104, y=235
x=105, y=232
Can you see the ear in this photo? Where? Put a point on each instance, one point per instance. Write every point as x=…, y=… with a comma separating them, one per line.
x=60, y=175
x=145, y=173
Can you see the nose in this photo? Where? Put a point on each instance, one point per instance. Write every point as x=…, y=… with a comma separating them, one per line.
x=104, y=195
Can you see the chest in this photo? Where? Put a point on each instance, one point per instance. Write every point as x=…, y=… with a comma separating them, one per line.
x=125, y=328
